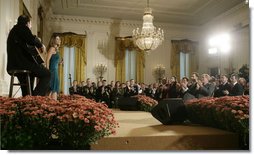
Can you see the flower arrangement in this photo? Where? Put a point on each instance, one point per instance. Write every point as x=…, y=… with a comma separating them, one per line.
x=35, y=122
x=146, y=103
x=229, y=113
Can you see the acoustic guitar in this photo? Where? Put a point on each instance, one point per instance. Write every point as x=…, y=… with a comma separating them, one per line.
x=36, y=54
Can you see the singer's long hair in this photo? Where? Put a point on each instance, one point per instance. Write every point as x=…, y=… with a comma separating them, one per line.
x=52, y=42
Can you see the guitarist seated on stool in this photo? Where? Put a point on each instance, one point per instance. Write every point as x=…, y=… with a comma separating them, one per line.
x=20, y=57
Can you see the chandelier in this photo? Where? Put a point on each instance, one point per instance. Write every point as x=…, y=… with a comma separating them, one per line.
x=149, y=38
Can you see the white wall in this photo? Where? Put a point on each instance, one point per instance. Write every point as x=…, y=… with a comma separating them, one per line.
x=9, y=12
x=235, y=22
x=100, y=30
x=162, y=54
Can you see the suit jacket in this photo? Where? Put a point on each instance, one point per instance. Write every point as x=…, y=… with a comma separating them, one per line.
x=88, y=92
x=190, y=93
x=172, y=91
x=73, y=91
x=192, y=89
x=17, y=50
x=222, y=87
x=134, y=90
x=206, y=91
x=127, y=92
x=236, y=90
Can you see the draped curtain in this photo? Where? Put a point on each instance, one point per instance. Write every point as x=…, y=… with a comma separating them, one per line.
x=185, y=46
x=123, y=44
x=78, y=42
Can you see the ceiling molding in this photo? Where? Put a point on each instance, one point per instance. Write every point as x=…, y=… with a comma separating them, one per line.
x=186, y=12
x=88, y=20
x=109, y=22
x=231, y=11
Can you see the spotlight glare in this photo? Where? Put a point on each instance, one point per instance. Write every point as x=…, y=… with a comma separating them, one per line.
x=219, y=42
x=212, y=50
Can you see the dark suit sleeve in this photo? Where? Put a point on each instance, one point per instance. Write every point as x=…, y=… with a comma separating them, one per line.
x=26, y=36
x=237, y=90
x=192, y=90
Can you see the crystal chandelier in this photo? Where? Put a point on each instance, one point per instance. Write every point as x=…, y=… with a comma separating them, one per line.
x=149, y=38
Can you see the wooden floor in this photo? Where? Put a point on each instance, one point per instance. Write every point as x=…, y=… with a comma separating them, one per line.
x=140, y=131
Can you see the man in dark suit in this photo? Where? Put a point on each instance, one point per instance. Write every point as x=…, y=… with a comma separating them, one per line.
x=172, y=88
x=104, y=93
x=19, y=57
x=88, y=90
x=134, y=87
x=237, y=89
x=189, y=90
x=75, y=88
x=223, y=87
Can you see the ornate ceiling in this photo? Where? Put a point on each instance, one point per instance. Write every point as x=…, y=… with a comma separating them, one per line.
x=189, y=12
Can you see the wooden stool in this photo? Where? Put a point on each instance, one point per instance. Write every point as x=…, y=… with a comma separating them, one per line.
x=14, y=73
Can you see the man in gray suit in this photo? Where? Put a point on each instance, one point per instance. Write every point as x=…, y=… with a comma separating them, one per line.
x=204, y=87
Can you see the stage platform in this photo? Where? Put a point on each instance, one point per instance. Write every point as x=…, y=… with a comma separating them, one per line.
x=141, y=131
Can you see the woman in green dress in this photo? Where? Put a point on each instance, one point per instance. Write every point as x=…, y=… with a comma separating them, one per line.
x=52, y=61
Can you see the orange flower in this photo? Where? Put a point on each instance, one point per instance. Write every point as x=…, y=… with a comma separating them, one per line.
x=73, y=116
x=228, y=113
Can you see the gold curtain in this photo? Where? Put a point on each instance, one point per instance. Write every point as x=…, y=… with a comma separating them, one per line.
x=122, y=44
x=175, y=60
x=79, y=65
x=140, y=67
x=186, y=46
x=120, y=61
x=60, y=69
x=78, y=42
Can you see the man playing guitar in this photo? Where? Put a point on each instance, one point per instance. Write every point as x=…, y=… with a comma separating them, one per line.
x=20, y=56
